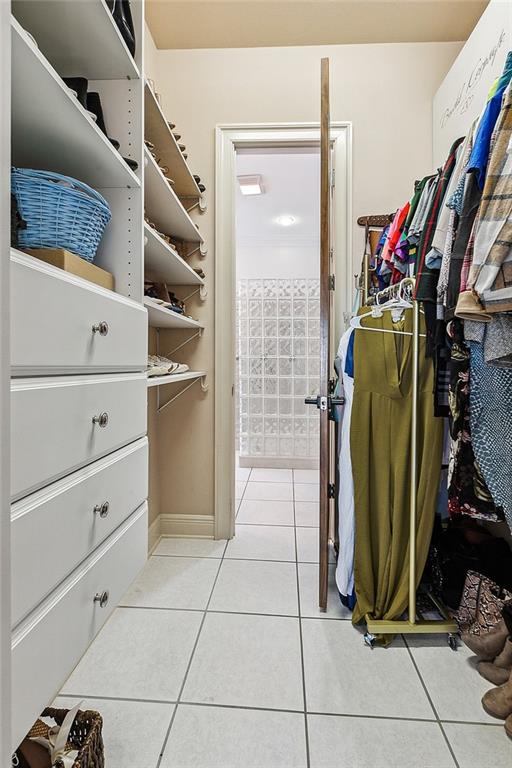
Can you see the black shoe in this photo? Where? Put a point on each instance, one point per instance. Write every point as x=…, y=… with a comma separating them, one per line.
x=79, y=86
x=94, y=105
x=123, y=17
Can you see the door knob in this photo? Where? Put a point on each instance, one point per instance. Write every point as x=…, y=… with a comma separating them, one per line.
x=101, y=509
x=101, y=328
x=101, y=598
x=101, y=420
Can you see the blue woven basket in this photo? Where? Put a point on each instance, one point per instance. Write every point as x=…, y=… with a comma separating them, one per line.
x=60, y=212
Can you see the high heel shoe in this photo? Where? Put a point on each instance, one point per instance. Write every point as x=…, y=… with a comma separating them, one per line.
x=94, y=105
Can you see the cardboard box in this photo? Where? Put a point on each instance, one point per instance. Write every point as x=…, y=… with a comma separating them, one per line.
x=70, y=262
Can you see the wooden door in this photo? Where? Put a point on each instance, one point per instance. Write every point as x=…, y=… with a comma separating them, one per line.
x=326, y=345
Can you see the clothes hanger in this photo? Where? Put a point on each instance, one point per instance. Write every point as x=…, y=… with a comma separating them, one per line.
x=399, y=302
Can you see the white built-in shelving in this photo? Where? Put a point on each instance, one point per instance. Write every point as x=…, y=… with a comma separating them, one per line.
x=163, y=264
x=50, y=128
x=174, y=378
x=157, y=130
x=160, y=317
x=78, y=38
x=163, y=205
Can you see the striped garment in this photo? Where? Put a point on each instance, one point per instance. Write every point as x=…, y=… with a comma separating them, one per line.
x=491, y=271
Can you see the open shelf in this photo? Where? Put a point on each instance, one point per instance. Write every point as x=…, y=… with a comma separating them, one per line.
x=51, y=130
x=172, y=378
x=163, y=206
x=78, y=37
x=157, y=131
x=163, y=264
x=159, y=317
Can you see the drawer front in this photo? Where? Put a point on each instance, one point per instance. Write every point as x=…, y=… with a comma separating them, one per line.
x=52, y=427
x=59, y=336
x=55, y=530
x=49, y=643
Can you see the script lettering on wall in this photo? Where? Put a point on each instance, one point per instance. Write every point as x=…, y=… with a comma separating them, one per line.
x=466, y=93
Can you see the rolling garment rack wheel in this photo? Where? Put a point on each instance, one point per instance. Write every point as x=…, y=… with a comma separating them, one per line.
x=369, y=640
x=453, y=641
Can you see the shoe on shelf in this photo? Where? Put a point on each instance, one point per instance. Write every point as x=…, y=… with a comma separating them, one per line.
x=498, y=701
x=487, y=645
x=79, y=86
x=155, y=367
x=498, y=671
x=172, y=126
x=122, y=14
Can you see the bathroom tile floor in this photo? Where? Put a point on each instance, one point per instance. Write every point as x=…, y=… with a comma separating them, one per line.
x=219, y=658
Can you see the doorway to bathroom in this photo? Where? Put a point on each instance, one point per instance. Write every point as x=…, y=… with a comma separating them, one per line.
x=277, y=308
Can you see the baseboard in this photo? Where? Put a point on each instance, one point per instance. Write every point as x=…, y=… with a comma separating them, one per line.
x=154, y=534
x=188, y=526
x=277, y=462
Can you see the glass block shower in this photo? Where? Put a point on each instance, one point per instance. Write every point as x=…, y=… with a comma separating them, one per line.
x=278, y=358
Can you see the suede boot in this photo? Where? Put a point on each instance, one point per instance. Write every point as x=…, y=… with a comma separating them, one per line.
x=498, y=672
x=498, y=701
x=489, y=644
x=508, y=726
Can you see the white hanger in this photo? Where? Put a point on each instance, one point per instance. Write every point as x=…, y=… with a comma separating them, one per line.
x=377, y=310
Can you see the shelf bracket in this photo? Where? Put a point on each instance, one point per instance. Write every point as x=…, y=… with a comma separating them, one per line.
x=195, y=335
x=202, y=291
x=201, y=249
x=204, y=388
x=200, y=203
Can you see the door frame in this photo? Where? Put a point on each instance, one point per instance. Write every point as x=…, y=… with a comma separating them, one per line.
x=229, y=138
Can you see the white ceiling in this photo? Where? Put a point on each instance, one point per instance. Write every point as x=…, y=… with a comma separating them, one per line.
x=255, y=23
x=291, y=183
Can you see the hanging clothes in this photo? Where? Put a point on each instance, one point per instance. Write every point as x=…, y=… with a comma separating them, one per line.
x=491, y=425
x=346, y=522
x=380, y=442
x=467, y=491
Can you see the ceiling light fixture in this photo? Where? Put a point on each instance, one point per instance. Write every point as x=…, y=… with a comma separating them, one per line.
x=286, y=221
x=250, y=185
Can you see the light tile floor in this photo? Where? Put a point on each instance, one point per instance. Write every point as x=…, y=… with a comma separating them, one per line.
x=219, y=658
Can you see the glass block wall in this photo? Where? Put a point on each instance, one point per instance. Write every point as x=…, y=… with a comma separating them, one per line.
x=278, y=357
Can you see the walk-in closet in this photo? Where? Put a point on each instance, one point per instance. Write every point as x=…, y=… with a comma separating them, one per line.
x=256, y=384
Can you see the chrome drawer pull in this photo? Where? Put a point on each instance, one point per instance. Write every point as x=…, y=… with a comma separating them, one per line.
x=101, y=509
x=101, y=420
x=101, y=598
x=101, y=328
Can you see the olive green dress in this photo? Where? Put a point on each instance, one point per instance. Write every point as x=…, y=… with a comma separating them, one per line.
x=380, y=442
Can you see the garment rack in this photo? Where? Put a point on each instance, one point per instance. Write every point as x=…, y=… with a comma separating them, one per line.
x=411, y=625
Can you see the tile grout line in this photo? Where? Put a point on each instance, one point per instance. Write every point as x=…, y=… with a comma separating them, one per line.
x=166, y=702
x=178, y=701
x=306, y=729
x=237, y=613
x=431, y=702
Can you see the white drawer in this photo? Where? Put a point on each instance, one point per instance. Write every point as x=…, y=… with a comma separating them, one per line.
x=49, y=643
x=55, y=529
x=52, y=317
x=52, y=427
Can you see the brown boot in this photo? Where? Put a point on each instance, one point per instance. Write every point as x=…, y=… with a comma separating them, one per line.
x=508, y=726
x=498, y=701
x=489, y=644
x=498, y=672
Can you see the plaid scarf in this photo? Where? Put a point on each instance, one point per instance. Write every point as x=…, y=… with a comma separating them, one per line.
x=490, y=275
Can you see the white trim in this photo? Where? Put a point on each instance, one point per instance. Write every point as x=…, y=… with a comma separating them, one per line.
x=187, y=526
x=5, y=228
x=154, y=535
x=228, y=139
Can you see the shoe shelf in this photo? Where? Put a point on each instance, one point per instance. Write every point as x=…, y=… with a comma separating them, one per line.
x=50, y=128
x=163, y=206
x=173, y=378
x=157, y=131
x=163, y=264
x=159, y=317
x=78, y=37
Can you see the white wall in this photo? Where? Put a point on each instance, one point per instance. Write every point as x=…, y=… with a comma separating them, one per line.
x=462, y=95
x=385, y=90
